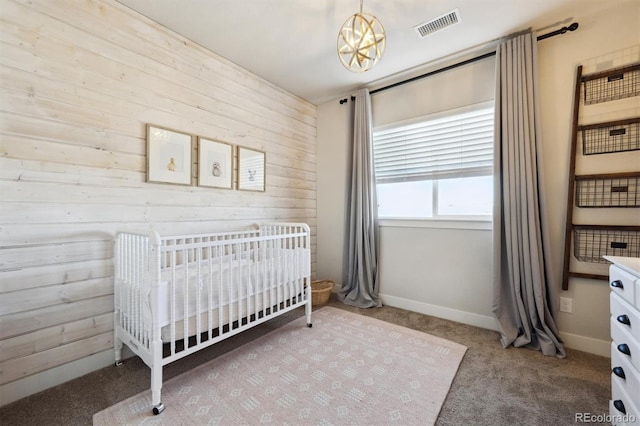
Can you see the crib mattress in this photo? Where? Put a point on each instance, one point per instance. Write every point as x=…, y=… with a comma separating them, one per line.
x=220, y=291
x=230, y=314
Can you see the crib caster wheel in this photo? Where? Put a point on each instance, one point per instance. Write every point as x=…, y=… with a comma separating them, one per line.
x=118, y=363
x=309, y=325
x=158, y=409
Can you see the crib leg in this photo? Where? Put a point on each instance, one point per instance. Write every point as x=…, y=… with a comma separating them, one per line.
x=156, y=386
x=307, y=308
x=117, y=348
x=156, y=378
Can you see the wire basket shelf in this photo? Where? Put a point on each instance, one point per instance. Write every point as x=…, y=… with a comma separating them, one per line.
x=612, y=85
x=615, y=190
x=591, y=242
x=613, y=136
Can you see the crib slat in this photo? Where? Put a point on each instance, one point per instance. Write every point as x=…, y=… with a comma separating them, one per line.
x=254, y=254
x=210, y=293
x=198, y=256
x=172, y=301
x=236, y=262
x=228, y=252
x=185, y=297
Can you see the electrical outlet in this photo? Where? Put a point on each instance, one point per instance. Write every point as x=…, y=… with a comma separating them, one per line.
x=566, y=304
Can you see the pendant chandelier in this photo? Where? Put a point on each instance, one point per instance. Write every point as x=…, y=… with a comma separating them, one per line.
x=361, y=42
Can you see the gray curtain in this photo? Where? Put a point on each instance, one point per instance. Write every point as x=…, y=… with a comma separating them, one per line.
x=524, y=291
x=360, y=287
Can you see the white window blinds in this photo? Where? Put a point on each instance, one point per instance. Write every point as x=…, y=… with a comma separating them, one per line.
x=452, y=144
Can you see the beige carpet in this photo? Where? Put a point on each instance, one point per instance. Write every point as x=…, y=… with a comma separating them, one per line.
x=348, y=369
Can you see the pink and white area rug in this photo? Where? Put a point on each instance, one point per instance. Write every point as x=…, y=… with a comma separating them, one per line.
x=347, y=370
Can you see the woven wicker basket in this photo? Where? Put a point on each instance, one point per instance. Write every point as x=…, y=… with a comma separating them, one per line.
x=320, y=291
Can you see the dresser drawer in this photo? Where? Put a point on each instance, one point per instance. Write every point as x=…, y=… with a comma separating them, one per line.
x=620, y=399
x=626, y=315
x=624, y=342
x=624, y=285
x=624, y=374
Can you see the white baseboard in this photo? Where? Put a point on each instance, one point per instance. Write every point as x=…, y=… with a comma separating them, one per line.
x=587, y=344
x=38, y=382
x=470, y=318
x=573, y=341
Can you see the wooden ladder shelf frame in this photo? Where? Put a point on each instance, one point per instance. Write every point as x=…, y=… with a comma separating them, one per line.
x=571, y=188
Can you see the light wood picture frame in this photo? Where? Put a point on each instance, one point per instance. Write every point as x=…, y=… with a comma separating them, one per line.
x=215, y=163
x=168, y=155
x=251, y=169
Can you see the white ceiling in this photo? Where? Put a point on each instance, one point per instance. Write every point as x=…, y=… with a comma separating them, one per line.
x=292, y=43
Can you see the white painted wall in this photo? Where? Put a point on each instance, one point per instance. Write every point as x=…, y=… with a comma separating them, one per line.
x=334, y=161
x=608, y=35
x=78, y=83
x=443, y=271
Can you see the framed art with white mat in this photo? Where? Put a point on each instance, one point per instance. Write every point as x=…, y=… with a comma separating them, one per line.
x=251, y=169
x=168, y=155
x=215, y=163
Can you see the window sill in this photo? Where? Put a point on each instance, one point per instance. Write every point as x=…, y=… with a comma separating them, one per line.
x=483, y=224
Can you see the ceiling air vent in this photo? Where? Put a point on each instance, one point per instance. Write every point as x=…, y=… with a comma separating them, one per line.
x=438, y=24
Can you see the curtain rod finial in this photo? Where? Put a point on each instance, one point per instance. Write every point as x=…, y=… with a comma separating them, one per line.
x=345, y=100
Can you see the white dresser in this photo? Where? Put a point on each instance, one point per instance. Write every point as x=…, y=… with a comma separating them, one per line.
x=624, y=281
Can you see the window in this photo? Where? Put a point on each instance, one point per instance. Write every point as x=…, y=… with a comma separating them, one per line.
x=438, y=166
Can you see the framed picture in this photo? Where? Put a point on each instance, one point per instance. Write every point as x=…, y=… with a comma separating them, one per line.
x=251, y=167
x=215, y=163
x=168, y=155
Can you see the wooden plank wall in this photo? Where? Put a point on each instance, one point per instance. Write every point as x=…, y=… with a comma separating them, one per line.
x=79, y=81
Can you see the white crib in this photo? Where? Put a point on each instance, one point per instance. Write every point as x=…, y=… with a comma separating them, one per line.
x=180, y=294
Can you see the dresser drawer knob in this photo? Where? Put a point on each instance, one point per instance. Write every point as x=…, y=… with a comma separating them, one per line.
x=623, y=319
x=619, y=406
x=618, y=371
x=617, y=284
x=624, y=348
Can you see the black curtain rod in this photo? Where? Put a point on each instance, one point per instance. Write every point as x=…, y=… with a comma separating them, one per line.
x=562, y=30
